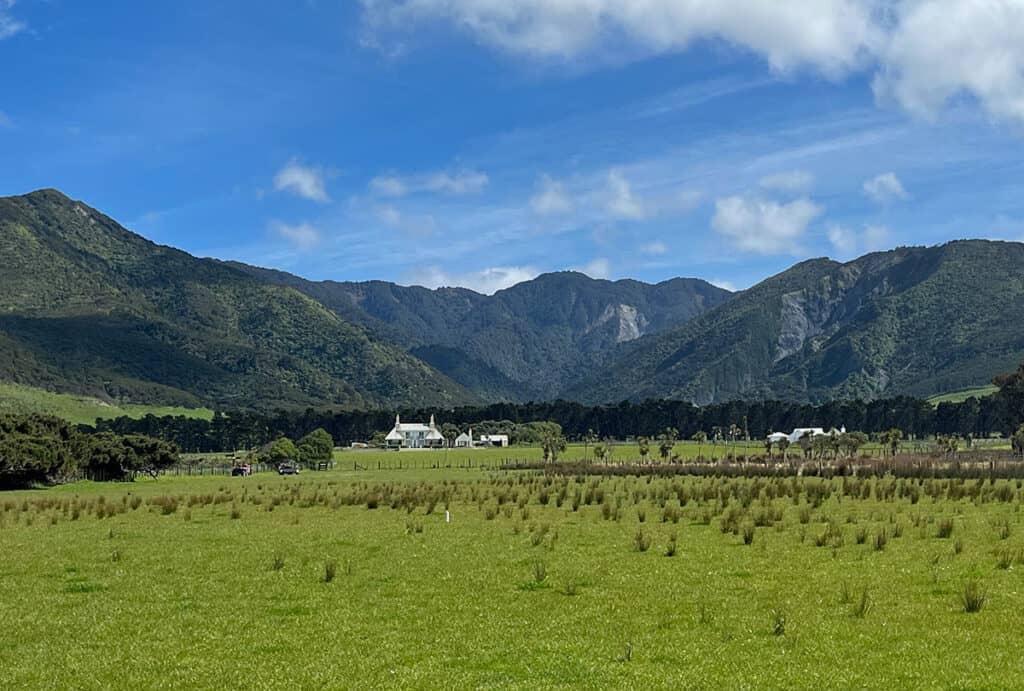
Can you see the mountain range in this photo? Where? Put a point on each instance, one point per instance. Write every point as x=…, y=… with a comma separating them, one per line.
x=88, y=307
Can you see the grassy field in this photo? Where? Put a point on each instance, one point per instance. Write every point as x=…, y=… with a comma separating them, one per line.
x=350, y=579
x=961, y=396
x=80, y=410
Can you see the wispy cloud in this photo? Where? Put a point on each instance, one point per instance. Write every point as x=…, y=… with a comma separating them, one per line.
x=790, y=181
x=885, y=188
x=308, y=182
x=551, y=199
x=654, y=249
x=487, y=281
x=620, y=201
x=302, y=236
x=460, y=182
x=596, y=268
x=9, y=26
x=848, y=242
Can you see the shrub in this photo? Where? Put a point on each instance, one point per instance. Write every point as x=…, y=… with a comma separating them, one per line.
x=973, y=597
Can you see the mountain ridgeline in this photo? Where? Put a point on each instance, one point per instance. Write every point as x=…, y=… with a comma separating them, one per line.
x=88, y=307
x=532, y=341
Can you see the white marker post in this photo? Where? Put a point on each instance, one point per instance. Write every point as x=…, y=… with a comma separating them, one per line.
x=447, y=517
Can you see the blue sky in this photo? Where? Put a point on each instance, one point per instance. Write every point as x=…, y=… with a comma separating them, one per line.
x=480, y=142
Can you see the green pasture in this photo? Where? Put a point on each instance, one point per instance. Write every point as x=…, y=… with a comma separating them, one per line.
x=963, y=395
x=81, y=410
x=353, y=579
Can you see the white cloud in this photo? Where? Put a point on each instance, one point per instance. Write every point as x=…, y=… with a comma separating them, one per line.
x=885, y=188
x=942, y=49
x=791, y=181
x=8, y=24
x=848, y=242
x=487, y=281
x=307, y=182
x=551, y=198
x=303, y=235
x=458, y=183
x=598, y=268
x=388, y=186
x=619, y=199
x=762, y=226
x=923, y=53
x=831, y=35
x=655, y=249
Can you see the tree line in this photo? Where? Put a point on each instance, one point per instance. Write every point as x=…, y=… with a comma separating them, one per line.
x=1000, y=413
x=41, y=449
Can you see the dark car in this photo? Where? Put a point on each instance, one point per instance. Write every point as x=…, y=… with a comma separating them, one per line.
x=288, y=468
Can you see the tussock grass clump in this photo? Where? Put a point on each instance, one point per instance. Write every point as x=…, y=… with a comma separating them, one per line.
x=235, y=513
x=540, y=572
x=330, y=571
x=748, y=533
x=944, y=529
x=278, y=563
x=863, y=604
x=778, y=621
x=972, y=597
x=670, y=551
x=641, y=542
x=881, y=540
x=861, y=536
x=958, y=546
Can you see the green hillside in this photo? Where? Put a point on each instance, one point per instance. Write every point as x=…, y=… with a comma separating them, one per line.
x=86, y=307
x=82, y=410
x=963, y=395
x=915, y=321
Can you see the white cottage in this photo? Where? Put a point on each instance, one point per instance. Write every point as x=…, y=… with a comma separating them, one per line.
x=414, y=435
x=464, y=440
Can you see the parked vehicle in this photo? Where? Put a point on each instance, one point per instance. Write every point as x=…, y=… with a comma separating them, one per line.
x=288, y=468
x=242, y=470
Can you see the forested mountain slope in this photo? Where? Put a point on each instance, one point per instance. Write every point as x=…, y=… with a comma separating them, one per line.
x=89, y=307
x=529, y=342
x=915, y=320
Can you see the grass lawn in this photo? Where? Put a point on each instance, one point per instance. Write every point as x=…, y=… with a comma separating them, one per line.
x=81, y=410
x=298, y=582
